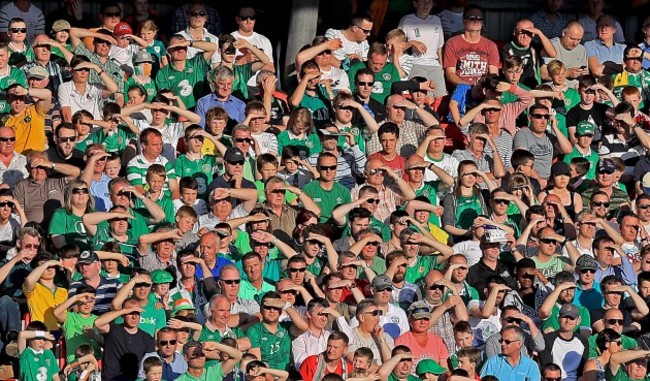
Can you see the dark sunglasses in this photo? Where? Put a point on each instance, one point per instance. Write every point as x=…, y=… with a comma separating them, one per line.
x=111, y=14
x=247, y=17
x=279, y=191
x=365, y=83
x=292, y=292
x=244, y=140
x=584, y=271
x=18, y=30
x=327, y=167
x=6, y=203
x=5, y=140
x=164, y=343
x=568, y=317
x=375, y=244
x=549, y=241
x=599, y=203
x=236, y=162
x=511, y=320
x=198, y=13
x=473, y=18
x=642, y=207
x=501, y=201
x=375, y=312
x=80, y=191
x=143, y=284
x=507, y=342
x=615, y=321
x=438, y=287
x=313, y=242
x=278, y=309
x=540, y=116
x=298, y=270
x=231, y=281
x=373, y=201
x=492, y=109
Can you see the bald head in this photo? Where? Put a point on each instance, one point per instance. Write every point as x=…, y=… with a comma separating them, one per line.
x=433, y=276
x=395, y=98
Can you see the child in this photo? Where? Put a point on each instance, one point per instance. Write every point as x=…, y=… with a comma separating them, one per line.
x=296, y=171
x=113, y=165
x=584, y=135
x=396, y=43
x=148, y=31
x=37, y=361
x=20, y=52
x=84, y=367
x=60, y=33
x=419, y=97
x=633, y=95
x=161, y=280
x=579, y=167
x=189, y=190
x=201, y=167
x=124, y=51
x=216, y=120
x=186, y=219
x=142, y=77
x=469, y=360
x=111, y=266
x=267, y=167
x=116, y=132
x=362, y=359
x=228, y=47
x=153, y=369
x=464, y=338
x=557, y=72
x=81, y=120
x=156, y=177
x=257, y=370
x=256, y=119
x=38, y=284
x=466, y=97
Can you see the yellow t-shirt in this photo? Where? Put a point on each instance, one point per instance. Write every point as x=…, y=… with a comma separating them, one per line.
x=41, y=303
x=30, y=130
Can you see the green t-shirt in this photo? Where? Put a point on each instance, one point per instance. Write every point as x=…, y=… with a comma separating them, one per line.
x=467, y=209
x=429, y=190
x=553, y=321
x=15, y=76
x=274, y=347
x=622, y=375
x=190, y=84
x=113, y=141
x=592, y=157
x=242, y=74
x=71, y=227
x=306, y=146
x=383, y=80
x=157, y=50
x=212, y=373
x=626, y=342
x=127, y=248
x=20, y=58
x=410, y=377
x=423, y=264
x=571, y=99
x=81, y=146
x=217, y=336
x=327, y=200
x=73, y=331
x=551, y=267
x=166, y=204
x=202, y=170
x=149, y=88
x=38, y=366
x=153, y=316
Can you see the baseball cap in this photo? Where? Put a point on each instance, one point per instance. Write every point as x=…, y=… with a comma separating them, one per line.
x=182, y=304
x=560, y=168
x=645, y=183
x=606, y=166
x=122, y=29
x=143, y=56
x=60, y=25
x=233, y=154
x=419, y=310
x=585, y=128
x=193, y=349
x=88, y=257
x=382, y=282
x=429, y=366
x=161, y=276
x=586, y=262
x=38, y=72
x=569, y=310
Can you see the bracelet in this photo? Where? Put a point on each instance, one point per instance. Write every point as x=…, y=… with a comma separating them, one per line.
x=101, y=72
x=275, y=239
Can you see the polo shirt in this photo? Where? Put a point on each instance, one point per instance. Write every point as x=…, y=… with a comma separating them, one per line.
x=307, y=145
x=597, y=48
x=89, y=100
x=275, y=348
x=282, y=226
x=202, y=170
x=136, y=171
x=498, y=366
x=105, y=293
x=14, y=172
x=622, y=375
x=207, y=334
x=128, y=247
x=188, y=84
x=73, y=331
x=233, y=106
x=591, y=299
x=40, y=200
x=114, y=141
x=248, y=291
x=29, y=128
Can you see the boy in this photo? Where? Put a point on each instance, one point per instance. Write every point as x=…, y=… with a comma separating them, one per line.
x=124, y=51
x=579, y=167
x=464, y=338
x=37, y=361
x=396, y=44
x=419, y=97
x=216, y=120
x=243, y=71
x=41, y=292
x=113, y=165
x=195, y=164
x=115, y=132
x=111, y=265
x=589, y=109
x=81, y=120
x=85, y=366
x=267, y=167
x=584, y=135
x=632, y=95
x=362, y=359
x=156, y=177
x=161, y=280
x=20, y=52
x=255, y=119
x=388, y=135
x=189, y=189
x=469, y=360
x=153, y=369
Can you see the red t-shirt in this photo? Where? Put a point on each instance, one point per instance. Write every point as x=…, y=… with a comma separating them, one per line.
x=346, y=294
x=308, y=368
x=397, y=164
x=470, y=60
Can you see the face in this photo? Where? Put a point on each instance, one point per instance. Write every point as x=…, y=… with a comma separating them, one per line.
x=333, y=294
x=327, y=168
x=131, y=320
x=89, y=271
x=633, y=60
x=348, y=272
x=270, y=314
x=253, y=269
x=112, y=168
x=388, y=142
x=525, y=278
x=111, y=17
x=629, y=228
x=246, y=19
x=644, y=288
x=177, y=54
x=329, y=142
x=167, y=343
x=403, y=368
x=464, y=339
x=156, y=182
x=600, y=206
x=42, y=51
x=500, y=204
x=229, y=283
x=510, y=343
x=209, y=246
x=467, y=177
x=220, y=312
x=612, y=298
x=296, y=272
x=552, y=375
x=606, y=32
x=312, y=83
x=423, y=7
x=376, y=62
x=362, y=31
x=364, y=85
x=216, y=126
x=567, y=295
x=4, y=58
x=465, y=364
x=224, y=87
x=637, y=370
x=394, y=113
x=197, y=16
x=242, y=140
x=17, y=31
x=361, y=362
x=335, y=349
x=434, y=292
x=538, y=120
x=86, y=306
x=275, y=196
x=614, y=320
x=7, y=141
x=153, y=147
x=473, y=21
x=605, y=180
x=522, y=36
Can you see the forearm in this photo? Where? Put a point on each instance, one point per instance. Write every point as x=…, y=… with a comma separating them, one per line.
x=427, y=118
x=34, y=276
x=339, y=213
x=406, y=191
x=157, y=213
x=442, y=174
x=205, y=46
x=67, y=170
x=189, y=115
x=110, y=85
x=122, y=294
x=108, y=317
x=547, y=306
x=39, y=93
x=548, y=46
x=309, y=204
x=298, y=94
x=369, y=120
x=470, y=115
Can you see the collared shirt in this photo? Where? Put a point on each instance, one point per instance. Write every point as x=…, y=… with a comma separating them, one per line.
x=389, y=201
x=248, y=306
x=232, y=105
x=248, y=291
x=171, y=370
x=111, y=68
x=40, y=200
x=14, y=172
x=99, y=190
x=597, y=48
x=150, y=261
x=410, y=134
x=308, y=344
x=285, y=223
x=349, y=165
x=498, y=366
x=90, y=100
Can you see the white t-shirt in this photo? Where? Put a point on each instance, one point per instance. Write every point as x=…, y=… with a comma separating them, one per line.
x=208, y=37
x=339, y=77
x=9, y=230
x=258, y=41
x=124, y=56
x=349, y=47
x=427, y=31
x=267, y=142
x=448, y=163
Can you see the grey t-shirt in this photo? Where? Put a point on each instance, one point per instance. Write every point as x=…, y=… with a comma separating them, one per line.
x=571, y=58
x=541, y=147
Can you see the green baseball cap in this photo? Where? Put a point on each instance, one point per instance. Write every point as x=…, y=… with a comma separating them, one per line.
x=161, y=276
x=585, y=128
x=429, y=366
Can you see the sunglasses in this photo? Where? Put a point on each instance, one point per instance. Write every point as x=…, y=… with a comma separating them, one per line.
x=83, y=69
x=375, y=244
x=615, y=321
x=247, y=17
x=313, y=242
x=31, y=246
x=230, y=282
x=365, y=83
x=268, y=308
x=198, y=13
x=540, y=116
x=6, y=140
x=236, y=162
x=549, y=241
x=80, y=191
x=438, y=287
x=164, y=343
x=143, y=284
x=66, y=139
x=279, y=191
x=244, y=140
x=584, y=271
x=365, y=31
x=639, y=59
x=511, y=320
x=18, y=30
x=375, y=312
x=474, y=18
x=494, y=109
x=298, y=270
x=572, y=318
x=642, y=207
x=327, y=167
x=111, y=14
x=599, y=203
x=507, y=342
x=6, y=203
x=373, y=201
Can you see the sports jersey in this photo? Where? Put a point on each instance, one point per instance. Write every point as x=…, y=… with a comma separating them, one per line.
x=189, y=84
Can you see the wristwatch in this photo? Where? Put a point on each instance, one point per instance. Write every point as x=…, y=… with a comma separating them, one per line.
x=53, y=165
x=353, y=285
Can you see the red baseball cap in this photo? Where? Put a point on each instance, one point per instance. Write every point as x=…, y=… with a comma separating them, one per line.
x=122, y=29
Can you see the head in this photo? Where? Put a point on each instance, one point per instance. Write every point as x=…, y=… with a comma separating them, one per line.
x=538, y=116
x=394, y=112
x=368, y=314
x=473, y=18
x=512, y=338
x=7, y=141
x=364, y=80
x=270, y=313
x=572, y=35
x=245, y=19
x=223, y=79
x=337, y=345
x=229, y=280
x=361, y=27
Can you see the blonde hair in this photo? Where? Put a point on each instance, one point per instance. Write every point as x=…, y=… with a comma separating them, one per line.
x=554, y=67
x=148, y=26
x=301, y=115
x=67, y=200
x=396, y=33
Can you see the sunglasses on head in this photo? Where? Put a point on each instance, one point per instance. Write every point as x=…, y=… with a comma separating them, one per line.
x=18, y=30
x=6, y=140
x=80, y=191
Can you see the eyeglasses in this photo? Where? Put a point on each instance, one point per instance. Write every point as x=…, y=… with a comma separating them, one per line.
x=511, y=320
x=438, y=287
x=164, y=343
x=552, y=378
x=373, y=201
x=230, y=282
x=600, y=203
x=236, y=162
x=247, y=17
x=473, y=18
x=30, y=246
x=6, y=140
x=142, y=284
x=615, y=321
x=66, y=139
x=80, y=191
x=374, y=312
x=548, y=241
x=365, y=83
x=507, y=342
x=6, y=203
x=327, y=167
x=639, y=59
x=18, y=30
x=244, y=140
x=501, y=201
x=298, y=270
x=365, y=31
x=112, y=14
x=277, y=309
x=540, y=116
x=642, y=207
x=198, y=13
x=584, y=271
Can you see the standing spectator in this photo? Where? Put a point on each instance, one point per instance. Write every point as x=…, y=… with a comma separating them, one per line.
x=549, y=20
x=142, y=12
x=355, y=41
x=25, y=10
x=468, y=56
x=321, y=51
x=594, y=11
x=565, y=347
x=180, y=18
x=452, y=18
x=522, y=46
x=196, y=31
x=72, y=12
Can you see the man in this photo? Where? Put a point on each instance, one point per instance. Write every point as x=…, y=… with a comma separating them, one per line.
x=489, y=265
x=216, y=327
x=124, y=344
x=588, y=293
x=629, y=365
x=510, y=365
x=153, y=315
x=385, y=73
x=605, y=181
x=594, y=11
x=478, y=140
x=233, y=176
x=522, y=47
x=56, y=74
x=539, y=141
x=604, y=249
x=173, y=363
x=604, y=54
x=364, y=80
x=222, y=80
x=613, y=319
x=633, y=74
x=533, y=340
x=64, y=151
x=350, y=161
x=566, y=348
x=369, y=333
x=89, y=268
x=432, y=149
x=181, y=14
x=613, y=291
x=468, y=56
x=186, y=78
x=562, y=295
x=330, y=360
x=13, y=166
x=221, y=206
x=419, y=339
x=315, y=339
x=270, y=342
x=28, y=121
x=229, y=283
x=569, y=51
x=549, y=20
x=195, y=355
x=400, y=366
x=144, y=209
x=151, y=143
x=255, y=286
x=355, y=40
x=325, y=192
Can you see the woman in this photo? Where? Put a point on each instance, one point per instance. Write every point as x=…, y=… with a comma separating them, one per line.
x=559, y=185
x=66, y=226
x=465, y=202
x=608, y=342
x=300, y=133
x=520, y=186
x=305, y=218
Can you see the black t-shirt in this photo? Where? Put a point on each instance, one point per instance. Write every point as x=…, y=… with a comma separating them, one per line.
x=595, y=115
x=530, y=58
x=123, y=352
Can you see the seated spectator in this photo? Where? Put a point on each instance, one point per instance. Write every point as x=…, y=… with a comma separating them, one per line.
x=594, y=11
x=604, y=54
x=570, y=52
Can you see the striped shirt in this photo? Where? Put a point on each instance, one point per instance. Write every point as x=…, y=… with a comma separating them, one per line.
x=136, y=171
x=349, y=164
x=503, y=142
x=410, y=134
x=105, y=293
